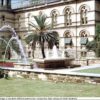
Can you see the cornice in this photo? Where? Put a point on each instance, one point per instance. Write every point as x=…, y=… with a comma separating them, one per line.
x=7, y=10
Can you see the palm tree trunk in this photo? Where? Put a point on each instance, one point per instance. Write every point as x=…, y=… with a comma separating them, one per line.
x=9, y=54
x=33, y=53
x=42, y=49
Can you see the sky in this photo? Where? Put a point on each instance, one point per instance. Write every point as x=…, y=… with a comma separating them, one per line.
x=18, y=3
x=21, y=3
x=14, y=1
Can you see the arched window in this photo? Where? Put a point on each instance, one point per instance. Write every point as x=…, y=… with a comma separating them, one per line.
x=68, y=39
x=67, y=16
x=83, y=15
x=54, y=16
x=84, y=38
x=83, y=42
x=3, y=19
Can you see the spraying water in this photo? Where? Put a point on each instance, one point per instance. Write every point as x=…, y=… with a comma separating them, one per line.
x=15, y=36
x=4, y=41
x=55, y=52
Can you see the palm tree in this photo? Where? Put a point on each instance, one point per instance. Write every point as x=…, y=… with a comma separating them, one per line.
x=41, y=34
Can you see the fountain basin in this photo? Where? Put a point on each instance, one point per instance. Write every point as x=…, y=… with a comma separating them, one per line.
x=16, y=65
x=54, y=63
x=6, y=64
x=22, y=65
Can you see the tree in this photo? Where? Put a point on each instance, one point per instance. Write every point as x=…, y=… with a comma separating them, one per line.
x=41, y=34
x=95, y=44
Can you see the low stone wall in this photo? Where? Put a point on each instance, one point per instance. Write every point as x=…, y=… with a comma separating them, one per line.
x=53, y=77
x=65, y=78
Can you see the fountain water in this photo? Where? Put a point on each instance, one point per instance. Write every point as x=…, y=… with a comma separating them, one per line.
x=52, y=53
x=14, y=36
x=4, y=40
x=55, y=52
x=20, y=46
x=23, y=62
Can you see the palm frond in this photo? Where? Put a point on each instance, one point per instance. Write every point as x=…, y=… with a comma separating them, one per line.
x=42, y=35
x=34, y=26
x=40, y=20
x=31, y=37
x=47, y=26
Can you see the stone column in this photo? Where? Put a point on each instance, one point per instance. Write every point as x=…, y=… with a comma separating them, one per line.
x=9, y=4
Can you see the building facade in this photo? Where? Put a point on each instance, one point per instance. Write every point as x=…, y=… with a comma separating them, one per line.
x=74, y=20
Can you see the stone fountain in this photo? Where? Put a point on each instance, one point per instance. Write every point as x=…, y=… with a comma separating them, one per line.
x=54, y=61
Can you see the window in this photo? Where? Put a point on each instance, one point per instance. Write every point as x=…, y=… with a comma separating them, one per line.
x=67, y=17
x=83, y=42
x=68, y=39
x=54, y=18
x=83, y=15
x=84, y=39
x=3, y=18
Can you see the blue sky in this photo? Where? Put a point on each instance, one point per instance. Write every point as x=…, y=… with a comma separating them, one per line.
x=18, y=3
x=15, y=0
x=19, y=0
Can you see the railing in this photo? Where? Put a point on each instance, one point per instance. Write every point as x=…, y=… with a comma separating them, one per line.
x=21, y=4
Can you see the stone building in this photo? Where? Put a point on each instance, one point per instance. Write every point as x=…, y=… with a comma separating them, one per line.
x=74, y=20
